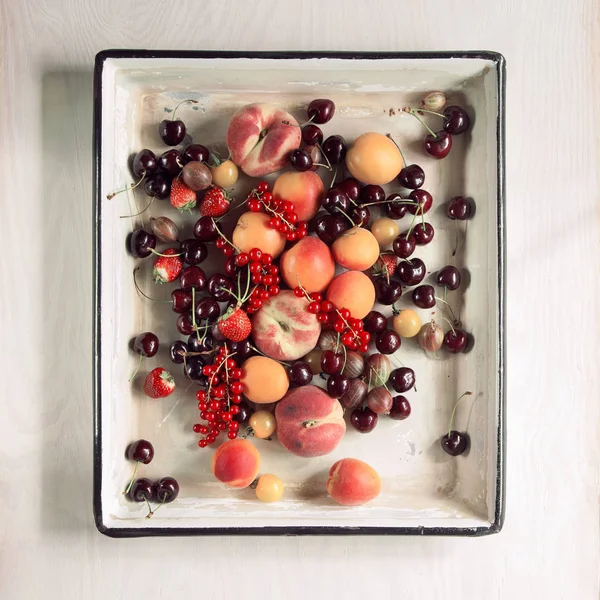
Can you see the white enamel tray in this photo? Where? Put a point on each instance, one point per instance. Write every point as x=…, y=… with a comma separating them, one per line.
x=424, y=490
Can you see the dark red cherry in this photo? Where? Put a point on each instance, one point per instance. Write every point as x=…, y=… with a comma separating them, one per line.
x=330, y=227
x=300, y=160
x=423, y=234
x=192, y=277
x=455, y=341
x=300, y=373
x=455, y=443
x=404, y=246
x=146, y=344
x=350, y=187
x=140, y=451
x=144, y=163
x=181, y=300
x=207, y=309
x=363, y=420
x=177, y=351
x=371, y=193
x=171, y=162
x=205, y=230
x=171, y=132
x=400, y=408
x=335, y=200
x=158, y=185
x=374, y=322
x=220, y=287
x=395, y=206
x=438, y=145
x=402, y=379
x=337, y=385
x=196, y=152
x=334, y=148
x=312, y=135
x=411, y=272
x=166, y=490
x=332, y=362
x=194, y=251
x=448, y=277
x=360, y=216
x=202, y=343
x=141, y=243
x=193, y=368
x=459, y=208
x=424, y=296
x=411, y=177
x=456, y=120
x=387, y=342
x=387, y=292
x=185, y=324
x=422, y=202
x=142, y=490
x=321, y=111
x=244, y=414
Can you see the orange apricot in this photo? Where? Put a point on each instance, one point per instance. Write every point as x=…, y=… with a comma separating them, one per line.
x=264, y=380
x=374, y=158
x=356, y=249
x=308, y=263
x=352, y=290
x=252, y=231
x=236, y=463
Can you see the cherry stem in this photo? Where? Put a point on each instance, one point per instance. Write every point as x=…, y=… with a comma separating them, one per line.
x=325, y=157
x=130, y=187
x=334, y=176
x=138, y=214
x=451, y=326
x=422, y=110
x=139, y=291
x=223, y=236
x=347, y=216
x=137, y=464
x=454, y=410
x=395, y=310
x=412, y=225
x=404, y=202
x=182, y=102
x=416, y=116
x=449, y=308
x=263, y=354
x=136, y=370
x=165, y=255
x=389, y=135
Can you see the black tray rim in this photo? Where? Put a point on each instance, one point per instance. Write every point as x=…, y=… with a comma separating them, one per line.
x=499, y=510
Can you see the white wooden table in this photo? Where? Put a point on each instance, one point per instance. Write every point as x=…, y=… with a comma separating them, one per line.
x=550, y=546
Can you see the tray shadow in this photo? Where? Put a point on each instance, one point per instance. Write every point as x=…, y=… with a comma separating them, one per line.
x=66, y=121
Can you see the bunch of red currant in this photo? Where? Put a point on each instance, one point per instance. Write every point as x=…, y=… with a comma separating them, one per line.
x=340, y=320
x=264, y=275
x=283, y=218
x=219, y=403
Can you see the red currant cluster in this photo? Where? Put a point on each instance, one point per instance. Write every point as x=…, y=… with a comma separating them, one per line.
x=264, y=275
x=283, y=218
x=218, y=405
x=340, y=320
x=224, y=244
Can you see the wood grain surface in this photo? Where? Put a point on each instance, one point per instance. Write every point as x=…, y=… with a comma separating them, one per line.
x=550, y=545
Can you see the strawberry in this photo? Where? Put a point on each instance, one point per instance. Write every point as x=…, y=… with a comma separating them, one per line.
x=386, y=264
x=215, y=202
x=159, y=383
x=167, y=268
x=182, y=197
x=235, y=325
